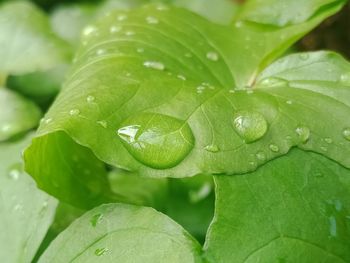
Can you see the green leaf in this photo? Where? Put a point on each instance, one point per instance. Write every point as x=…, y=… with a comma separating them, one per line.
x=284, y=12
x=293, y=209
x=40, y=86
x=17, y=114
x=27, y=43
x=25, y=212
x=109, y=236
x=152, y=91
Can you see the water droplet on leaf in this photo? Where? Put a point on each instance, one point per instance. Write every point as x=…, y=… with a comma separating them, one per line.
x=261, y=156
x=274, y=148
x=74, y=112
x=273, y=82
x=212, y=148
x=90, y=99
x=346, y=133
x=115, y=29
x=154, y=64
x=103, y=123
x=328, y=140
x=156, y=140
x=152, y=20
x=345, y=79
x=122, y=17
x=303, y=133
x=212, y=56
x=250, y=125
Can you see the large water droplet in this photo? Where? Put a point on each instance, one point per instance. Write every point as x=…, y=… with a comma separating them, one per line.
x=15, y=171
x=101, y=251
x=94, y=220
x=346, y=133
x=157, y=140
x=250, y=125
x=212, y=148
x=212, y=56
x=273, y=82
x=154, y=64
x=303, y=133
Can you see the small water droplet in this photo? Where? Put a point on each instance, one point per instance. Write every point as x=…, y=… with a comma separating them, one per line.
x=273, y=82
x=261, y=156
x=250, y=125
x=103, y=123
x=156, y=140
x=238, y=24
x=304, y=56
x=101, y=251
x=115, y=29
x=100, y=52
x=232, y=91
x=345, y=78
x=303, y=133
x=48, y=120
x=289, y=102
x=154, y=64
x=96, y=219
x=181, y=77
x=200, y=89
x=212, y=148
x=162, y=7
x=74, y=112
x=129, y=33
x=140, y=50
x=346, y=133
x=89, y=30
x=152, y=20
x=188, y=55
x=90, y=99
x=274, y=148
x=212, y=56
x=122, y=17
x=14, y=173
x=328, y=140
x=324, y=148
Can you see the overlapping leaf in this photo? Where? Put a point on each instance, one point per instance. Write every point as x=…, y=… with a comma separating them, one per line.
x=123, y=233
x=161, y=91
x=293, y=209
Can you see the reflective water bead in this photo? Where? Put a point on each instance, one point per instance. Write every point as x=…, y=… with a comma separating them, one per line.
x=212, y=148
x=74, y=112
x=274, y=148
x=212, y=56
x=152, y=20
x=156, y=140
x=154, y=65
x=250, y=125
x=346, y=133
x=303, y=133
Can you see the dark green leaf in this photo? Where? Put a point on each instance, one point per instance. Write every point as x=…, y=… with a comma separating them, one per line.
x=123, y=233
x=293, y=209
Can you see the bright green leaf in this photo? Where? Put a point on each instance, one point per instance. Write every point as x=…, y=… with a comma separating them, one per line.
x=293, y=209
x=25, y=212
x=155, y=77
x=27, y=43
x=123, y=233
x=17, y=114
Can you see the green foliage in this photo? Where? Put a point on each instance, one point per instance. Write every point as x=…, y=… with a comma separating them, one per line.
x=161, y=97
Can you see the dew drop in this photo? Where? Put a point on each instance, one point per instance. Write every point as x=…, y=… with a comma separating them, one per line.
x=100, y=52
x=345, y=78
x=103, y=123
x=182, y=77
x=14, y=173
x=346, y=134
x=261, y=156
x=89, y=30
x=154, y=64
x=48, y=120
x=304, y=56
x=324, y=148
x=213, y=56
x=140, y=50
x=273, y=82
x=96, y=219
x=274, y=148
x=152, y=20
x=115, y=29
x=238, y=24
x=212, y=148
x=122, y=17
x=250, y=125
x=328, y=140
x=156, y=140
x=289, y=102
x=101, y=251
x=303, y=133
x=129, y=33
x=74, y=112
x=90, y=99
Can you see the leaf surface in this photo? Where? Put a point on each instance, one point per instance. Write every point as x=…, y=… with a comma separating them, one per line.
x=123, y=233
x=25, y=212
x=293, y=209
x=161, y=91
